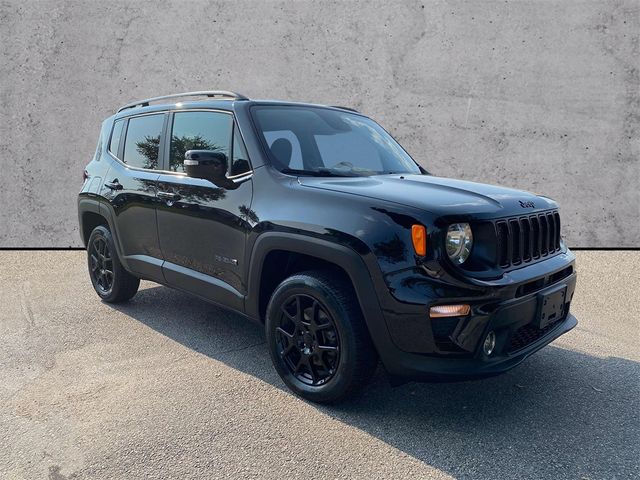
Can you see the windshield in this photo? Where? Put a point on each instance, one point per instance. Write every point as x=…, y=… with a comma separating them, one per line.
x=324, y=142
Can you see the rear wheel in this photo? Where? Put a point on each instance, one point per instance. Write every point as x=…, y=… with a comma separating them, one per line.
x=109, y=278
x=317, y=337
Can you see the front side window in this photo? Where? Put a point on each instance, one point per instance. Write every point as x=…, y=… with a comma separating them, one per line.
x=240, y=163
x=199, y=131
x=322, y=141
x=142, y=142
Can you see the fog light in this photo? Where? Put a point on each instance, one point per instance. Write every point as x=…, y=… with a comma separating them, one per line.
x=489, y=343
x=440, y=311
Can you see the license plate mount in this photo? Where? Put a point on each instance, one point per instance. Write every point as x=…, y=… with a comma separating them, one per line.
x=551, y=306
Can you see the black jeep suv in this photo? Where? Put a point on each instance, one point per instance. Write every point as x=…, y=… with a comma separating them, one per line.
x=314, y=221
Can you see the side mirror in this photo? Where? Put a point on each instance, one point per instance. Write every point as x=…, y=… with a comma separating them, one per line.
x=208, y=165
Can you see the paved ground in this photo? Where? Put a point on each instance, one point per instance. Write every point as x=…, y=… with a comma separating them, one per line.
x=168, y=386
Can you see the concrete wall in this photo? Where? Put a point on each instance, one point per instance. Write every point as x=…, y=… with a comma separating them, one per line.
x=536, y=95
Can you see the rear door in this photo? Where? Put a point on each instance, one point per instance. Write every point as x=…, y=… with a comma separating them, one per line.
x=202, y=227
x=130, y=188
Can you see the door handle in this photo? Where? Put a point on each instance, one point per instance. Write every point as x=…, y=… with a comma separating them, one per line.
x=169, y=196
x=114, y=185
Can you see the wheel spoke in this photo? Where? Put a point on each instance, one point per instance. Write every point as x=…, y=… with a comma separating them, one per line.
x=94, y=263
x=299, y=365
x=295, y=318
x=314, y=373
x=317, y=325
x=287, y=350
x=286, y=334
x=313, y=317
x=327, y=348
x=324, y=326
x=298, y=310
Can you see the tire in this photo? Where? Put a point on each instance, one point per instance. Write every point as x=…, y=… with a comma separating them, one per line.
x=317, y=337
x=110, y=280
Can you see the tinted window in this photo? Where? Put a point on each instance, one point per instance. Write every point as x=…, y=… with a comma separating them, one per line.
x=115, y=137
x=344, y=147
x=332, y=142
x=199, y=131
x=142, y=144
x=240, y=163
x=295, y=159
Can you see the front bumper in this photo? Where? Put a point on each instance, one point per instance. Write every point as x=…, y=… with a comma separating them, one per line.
x=431, y=368
x=451, y=349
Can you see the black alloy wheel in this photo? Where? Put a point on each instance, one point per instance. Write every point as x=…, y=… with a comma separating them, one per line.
x=101, y=265
x=308, y=340
x=111, y=281
x=317, y=336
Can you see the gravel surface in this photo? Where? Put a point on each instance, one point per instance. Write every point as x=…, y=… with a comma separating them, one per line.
x=168, y=386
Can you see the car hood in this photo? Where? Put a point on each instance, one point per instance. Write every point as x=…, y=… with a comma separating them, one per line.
x=440, y=196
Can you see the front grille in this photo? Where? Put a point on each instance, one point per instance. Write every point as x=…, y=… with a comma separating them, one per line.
x=528, y=238
x=527, y=335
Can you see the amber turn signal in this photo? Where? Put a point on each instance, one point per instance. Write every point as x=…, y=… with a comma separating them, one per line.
x=440, y=311
x=419, y=237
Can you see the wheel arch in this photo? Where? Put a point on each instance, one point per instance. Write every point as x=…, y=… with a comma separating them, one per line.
x=89, y=217
x=93, y=212
x=328, y=254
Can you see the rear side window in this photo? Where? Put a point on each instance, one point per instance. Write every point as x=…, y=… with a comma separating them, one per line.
x=142, y=143
x=114, y=144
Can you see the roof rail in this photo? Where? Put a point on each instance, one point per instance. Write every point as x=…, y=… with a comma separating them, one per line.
x=345, y=108
x=206, y=93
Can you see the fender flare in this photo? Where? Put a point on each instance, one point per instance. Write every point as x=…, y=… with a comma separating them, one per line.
x=344, y=257
x=86, y=204
x=98, y=206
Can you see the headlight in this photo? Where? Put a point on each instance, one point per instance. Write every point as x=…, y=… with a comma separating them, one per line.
x=459, y=242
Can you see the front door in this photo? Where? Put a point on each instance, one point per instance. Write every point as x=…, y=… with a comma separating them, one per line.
x=202, y=227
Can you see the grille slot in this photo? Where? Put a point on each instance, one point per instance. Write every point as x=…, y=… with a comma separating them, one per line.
x=514, y=227
x=503, y=243
x=535, y=236
x=524, y=239
x=544, y=235
x=525, y=228
x=556, y=219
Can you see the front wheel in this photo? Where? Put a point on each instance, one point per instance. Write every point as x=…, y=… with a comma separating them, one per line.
x=109, y=278
x=317, y=338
